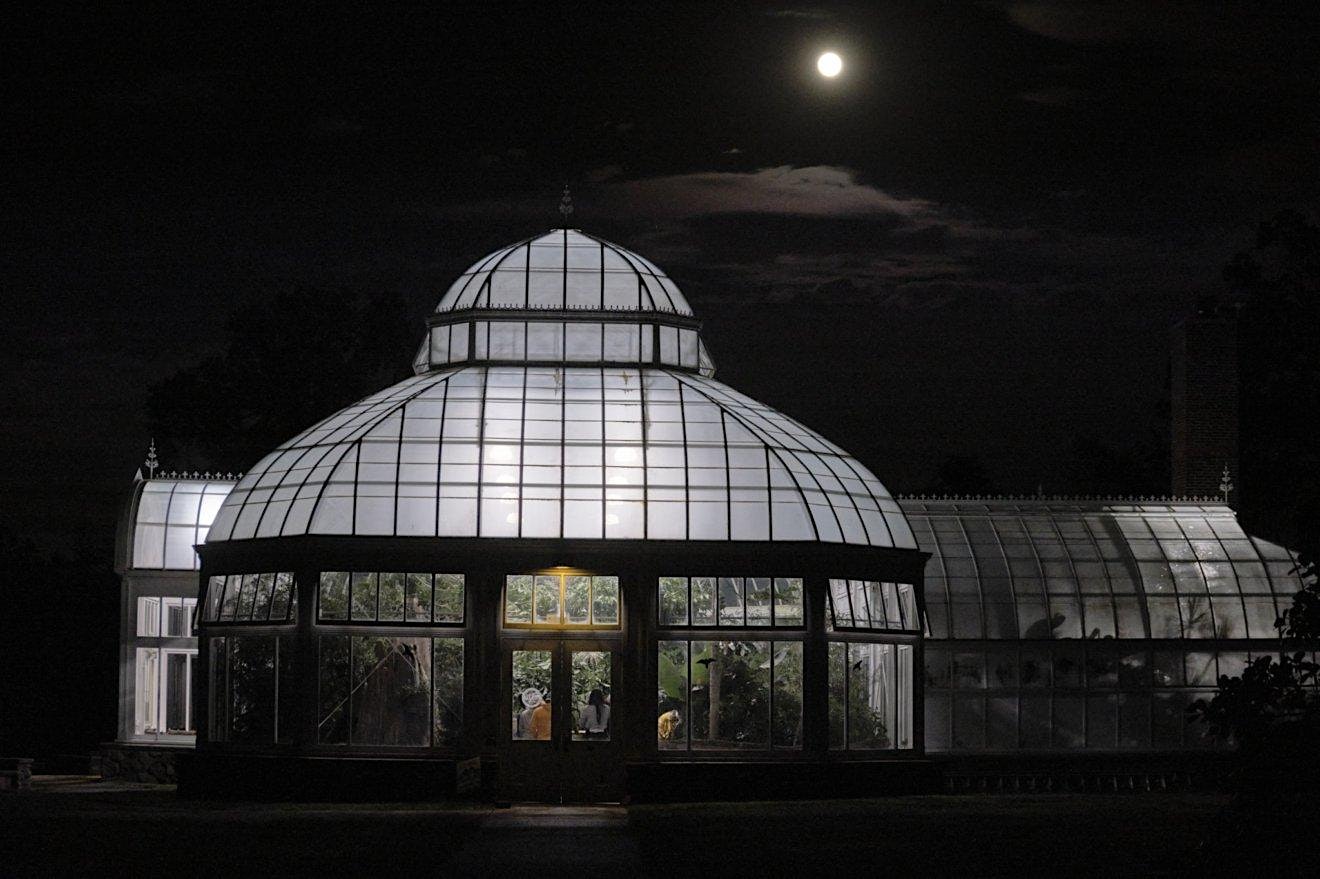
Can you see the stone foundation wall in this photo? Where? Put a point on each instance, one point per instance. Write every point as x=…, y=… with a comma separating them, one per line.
x=149, y=763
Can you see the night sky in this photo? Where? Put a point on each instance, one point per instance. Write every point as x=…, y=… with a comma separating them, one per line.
x=971, y=243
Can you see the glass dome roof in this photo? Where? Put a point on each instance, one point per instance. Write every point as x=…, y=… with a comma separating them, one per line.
x=565, y=269
x=548, y=403
x=576, y=452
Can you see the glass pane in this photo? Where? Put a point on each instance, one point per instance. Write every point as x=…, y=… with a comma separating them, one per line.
x=334, y=596
x=672, y=707
x=577, y=600
x=449, y=598
x=904, y=686
x=893, y=616
x=391, y=691
x=758, y=601
x=868, y=608
x=147, y=686
x=447, y=674
x=176, y=693
x=547, y=600
x=148, y=617
x=590, y=691
x=871, y=696
x=731, y=601
x=842, y=610
x=788, y=601
x=177, y=618
x=215, y=591
x=673, y=601
x=417, y=598
x=703, y=601
x=532, y=717
x=252, y=688
x=391, y=596
x=287, y=723
x=265, y=591
x=518, y=599
x=838, y=694
x=332, y=725
x=735, y=677
x=907, y=597
x=605, y=601
x=281, y=597
x=246, y=597
x=786, y=719
x=364, y=597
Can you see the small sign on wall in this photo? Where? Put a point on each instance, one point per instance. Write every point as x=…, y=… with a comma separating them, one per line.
x=467, y=776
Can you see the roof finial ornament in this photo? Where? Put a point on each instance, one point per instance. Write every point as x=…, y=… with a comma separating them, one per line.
x=1225, y=484
x=152, y=463
x=566, y=205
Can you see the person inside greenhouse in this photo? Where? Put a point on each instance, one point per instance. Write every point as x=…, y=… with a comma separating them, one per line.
x=594, y=718
x=668, y=723
x=533, y=722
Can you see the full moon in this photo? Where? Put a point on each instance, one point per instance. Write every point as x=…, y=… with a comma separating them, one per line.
x=829, y=64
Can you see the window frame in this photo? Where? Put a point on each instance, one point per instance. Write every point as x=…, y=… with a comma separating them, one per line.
x=795, y=625
x=430, y=623
x=563, y=625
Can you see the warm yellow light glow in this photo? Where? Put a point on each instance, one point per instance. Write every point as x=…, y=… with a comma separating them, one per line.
x=829, y=65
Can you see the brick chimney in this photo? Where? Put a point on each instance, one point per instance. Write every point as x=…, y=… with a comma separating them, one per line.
x=1204, y=405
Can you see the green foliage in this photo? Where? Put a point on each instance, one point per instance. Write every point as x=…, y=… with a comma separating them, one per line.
x=1274, y=703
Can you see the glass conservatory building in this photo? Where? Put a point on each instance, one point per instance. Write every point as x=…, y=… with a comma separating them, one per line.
x=564, y=562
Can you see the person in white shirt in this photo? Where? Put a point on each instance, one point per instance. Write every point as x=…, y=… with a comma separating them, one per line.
x=595, y=717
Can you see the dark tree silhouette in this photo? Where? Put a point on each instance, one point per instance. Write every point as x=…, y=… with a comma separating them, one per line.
x=290, y=359
x=1278, y=286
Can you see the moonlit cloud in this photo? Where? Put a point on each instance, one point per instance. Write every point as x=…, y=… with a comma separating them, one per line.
x=815, y=191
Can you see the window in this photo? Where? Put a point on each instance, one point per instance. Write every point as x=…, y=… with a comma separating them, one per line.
x=165, y=616
x=730, y=601
x=390, y=691
x=577, y=601
x=867, y=604
x=870, y=696
x=370, y=597
x=729, y=695
x=163, y=691
x=251, y=598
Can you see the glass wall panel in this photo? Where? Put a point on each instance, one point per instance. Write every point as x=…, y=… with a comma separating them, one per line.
x=786, y=707
x=590, y=691
x=447, y=676
x=533, y=719
x=673, y=601
x=561, y=600
x=788, y=601
x=178, y=707
x=388, y=597
x=729, y=695
x=390, y=691
x=871, y=695
x=146, y=691
x=730, y=601
x=672, y=706
x=333, y=603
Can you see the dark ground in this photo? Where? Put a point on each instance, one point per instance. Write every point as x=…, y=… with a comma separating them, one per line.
x=75, y=827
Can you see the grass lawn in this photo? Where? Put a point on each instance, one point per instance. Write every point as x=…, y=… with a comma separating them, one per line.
x=65, y=827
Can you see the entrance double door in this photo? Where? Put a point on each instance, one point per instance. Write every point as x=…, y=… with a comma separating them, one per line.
x=560, y=697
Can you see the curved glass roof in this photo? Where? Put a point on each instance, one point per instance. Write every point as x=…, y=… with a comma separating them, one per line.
x=550, y=452
x=1040, y=570
x=170, y=517
x=565, y=269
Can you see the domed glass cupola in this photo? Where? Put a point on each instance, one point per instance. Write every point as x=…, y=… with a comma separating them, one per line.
x=564, y=297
